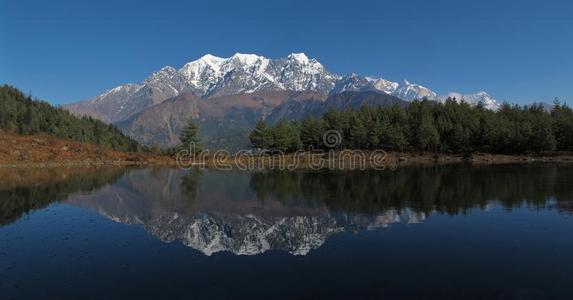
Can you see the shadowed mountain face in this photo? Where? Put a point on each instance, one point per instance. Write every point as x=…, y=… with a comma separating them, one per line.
x=298, y=110
x=225, y=122
x=161, y=124
x=250, y=213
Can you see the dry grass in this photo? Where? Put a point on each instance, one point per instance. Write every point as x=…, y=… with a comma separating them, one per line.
x=45, y=149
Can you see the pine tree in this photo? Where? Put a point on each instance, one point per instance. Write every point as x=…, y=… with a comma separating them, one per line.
x=455, y=127
x=294, y=136
x=358, y=134
x=282, y=135
x=563, y=125
x=189, y=137
x=428, y=137
x=261, y=136
x=543, y=137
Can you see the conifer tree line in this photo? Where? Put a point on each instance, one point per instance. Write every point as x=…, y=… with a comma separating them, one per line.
x=449, y=127
x=23, y=115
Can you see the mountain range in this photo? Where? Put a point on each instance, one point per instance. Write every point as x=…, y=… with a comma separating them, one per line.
x=228, y=95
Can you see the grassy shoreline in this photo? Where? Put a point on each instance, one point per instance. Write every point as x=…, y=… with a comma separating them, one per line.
x=44, y=151
x=391, y=160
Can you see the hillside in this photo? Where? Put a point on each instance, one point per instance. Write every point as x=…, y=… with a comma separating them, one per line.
x=22, y=115
x=225, y=122
x=43, y=149
x=298, y=110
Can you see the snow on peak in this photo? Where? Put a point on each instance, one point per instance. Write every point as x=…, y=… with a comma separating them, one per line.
x=210, y=57
x=166, y=69
x=248, y=59
x=299, y=57
x=474, y=99
x=212, y=76
x=411, y=91
x=207, y=60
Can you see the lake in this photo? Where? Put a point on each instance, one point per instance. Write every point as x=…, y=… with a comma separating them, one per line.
x=449, y=231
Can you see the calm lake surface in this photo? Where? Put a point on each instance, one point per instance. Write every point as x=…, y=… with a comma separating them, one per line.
x=418, y=232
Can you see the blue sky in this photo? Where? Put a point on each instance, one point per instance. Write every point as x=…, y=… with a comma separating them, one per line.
x=519, y=51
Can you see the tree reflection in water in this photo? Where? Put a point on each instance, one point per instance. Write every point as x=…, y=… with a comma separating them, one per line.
x=250, y=213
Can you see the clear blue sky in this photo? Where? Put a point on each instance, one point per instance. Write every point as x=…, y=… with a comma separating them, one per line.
x=520, y=51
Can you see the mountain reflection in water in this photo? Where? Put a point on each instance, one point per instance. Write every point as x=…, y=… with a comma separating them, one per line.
x=250, y=213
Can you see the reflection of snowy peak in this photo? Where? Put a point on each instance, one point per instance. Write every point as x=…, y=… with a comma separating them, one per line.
x=250, y=234
x=226, y=218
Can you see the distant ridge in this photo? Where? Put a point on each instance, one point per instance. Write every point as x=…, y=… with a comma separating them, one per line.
x=211, y=76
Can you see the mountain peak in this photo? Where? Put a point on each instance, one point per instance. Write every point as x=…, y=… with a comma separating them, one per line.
x=163, y=74
x=300, y=57
x=246, y=58
x=167, y=69
x=210, y=57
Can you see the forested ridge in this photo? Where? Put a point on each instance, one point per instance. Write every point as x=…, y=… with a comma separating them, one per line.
x=449, y=127
x=23, y=115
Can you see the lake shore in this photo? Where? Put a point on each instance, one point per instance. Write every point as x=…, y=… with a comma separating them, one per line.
x=43, y=151
x=335, y=160
x=344, y=161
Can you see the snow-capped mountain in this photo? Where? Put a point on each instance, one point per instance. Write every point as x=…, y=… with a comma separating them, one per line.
x=481, y=97
x=411, y=91
x=355, y=83
x=383, y=85
x=406, y=90
x=208, y=77
x=211, y=76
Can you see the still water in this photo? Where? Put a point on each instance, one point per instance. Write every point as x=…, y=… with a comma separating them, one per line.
x=418, y=232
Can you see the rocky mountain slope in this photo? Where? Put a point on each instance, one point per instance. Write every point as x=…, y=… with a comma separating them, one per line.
x=225, y=122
